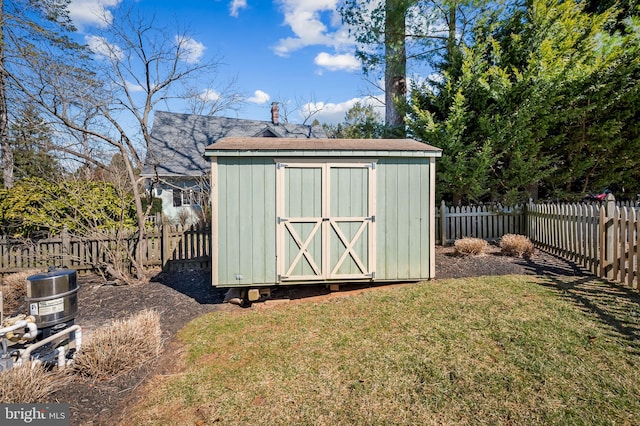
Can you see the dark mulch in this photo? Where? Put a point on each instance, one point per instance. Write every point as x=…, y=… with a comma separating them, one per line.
x=181, y=297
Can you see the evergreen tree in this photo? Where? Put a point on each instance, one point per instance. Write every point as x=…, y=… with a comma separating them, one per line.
x=443, y=115
x=363, y=122
x=360, y=122
x=29, y=29
x=553, y=93
x=30, y=139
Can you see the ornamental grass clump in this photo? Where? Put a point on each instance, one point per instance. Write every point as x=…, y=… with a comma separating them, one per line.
x=14, y=290
x=120, y=347
x=470, y=246
x=516, y=245
x=29, y=384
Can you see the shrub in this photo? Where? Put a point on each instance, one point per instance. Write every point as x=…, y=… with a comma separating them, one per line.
x=516, y=245
x=14, y=290
x=29, y=384
x=120, y=347
x=470, y=246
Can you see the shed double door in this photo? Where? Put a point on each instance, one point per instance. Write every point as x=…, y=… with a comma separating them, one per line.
x=325, y=214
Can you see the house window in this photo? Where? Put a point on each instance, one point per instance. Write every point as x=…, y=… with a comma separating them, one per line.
x=186, y=197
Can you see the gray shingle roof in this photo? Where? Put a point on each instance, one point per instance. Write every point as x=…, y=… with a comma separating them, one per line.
x=178, y=141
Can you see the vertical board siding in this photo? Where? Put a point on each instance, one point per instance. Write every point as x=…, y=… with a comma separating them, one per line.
x=387, y=220
x=246, y=221
x=402, y=220
x=419, y=211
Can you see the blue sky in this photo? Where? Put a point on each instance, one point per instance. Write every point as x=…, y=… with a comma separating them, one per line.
x=282, y=50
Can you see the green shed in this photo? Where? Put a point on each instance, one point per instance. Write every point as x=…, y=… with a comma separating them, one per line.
x=286, y=211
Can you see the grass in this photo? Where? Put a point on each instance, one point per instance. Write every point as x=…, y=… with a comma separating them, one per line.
x=485, y=351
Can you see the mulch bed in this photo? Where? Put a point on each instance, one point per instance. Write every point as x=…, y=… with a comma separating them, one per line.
x=181, y=297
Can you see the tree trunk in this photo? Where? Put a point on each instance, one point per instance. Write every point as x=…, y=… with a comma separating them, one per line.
x=451, y=38
x=395, y=65
x=137, y=260
x=5, y=144
x=533, y=190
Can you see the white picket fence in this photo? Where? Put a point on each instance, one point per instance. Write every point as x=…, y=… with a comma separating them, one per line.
x=488, y=222
x=604, y=239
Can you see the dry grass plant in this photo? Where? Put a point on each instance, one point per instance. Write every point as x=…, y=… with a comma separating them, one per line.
x=29, y=384
x=14, y=290
x=516, y=245
x=120, y=347
x=470, y=246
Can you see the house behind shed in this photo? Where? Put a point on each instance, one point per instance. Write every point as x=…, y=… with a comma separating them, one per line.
x=330, y=211
x=175, y=167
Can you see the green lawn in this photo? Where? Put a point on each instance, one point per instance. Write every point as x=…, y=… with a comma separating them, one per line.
x=492, y=350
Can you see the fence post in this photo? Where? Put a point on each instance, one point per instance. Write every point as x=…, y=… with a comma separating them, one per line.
x=164, y=243
x=66, y=247
x=607, y=231
x=527, y=219
x=443, y=228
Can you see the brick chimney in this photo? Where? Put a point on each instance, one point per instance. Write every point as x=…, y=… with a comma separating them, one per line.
x=275, y=113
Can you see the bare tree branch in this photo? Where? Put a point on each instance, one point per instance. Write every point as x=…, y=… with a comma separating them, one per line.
x=110, y=100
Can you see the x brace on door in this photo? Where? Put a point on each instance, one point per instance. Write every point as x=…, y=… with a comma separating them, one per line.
x=303, y=248
x=349, y=248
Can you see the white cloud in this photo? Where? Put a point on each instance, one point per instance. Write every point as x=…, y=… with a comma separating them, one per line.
x=313, y=22
x=259, y=97
x=346, y=62
x=236, y=5
x=134, y=87
x=102, y=48
x=92, y=12
x=333, y=113
x=192, y=50
x=209, y=95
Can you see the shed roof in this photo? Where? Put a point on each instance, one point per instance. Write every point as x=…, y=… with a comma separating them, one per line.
x=178, y=141
x=242, y=146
